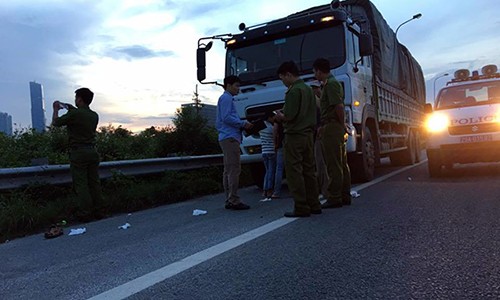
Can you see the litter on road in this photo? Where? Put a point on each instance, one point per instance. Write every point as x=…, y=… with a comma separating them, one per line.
x=77, y=231
x=199, y=212
x=355, y=194
x=124, y=226
x=266, y=199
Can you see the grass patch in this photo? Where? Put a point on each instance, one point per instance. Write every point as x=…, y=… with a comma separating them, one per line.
x=33, y=208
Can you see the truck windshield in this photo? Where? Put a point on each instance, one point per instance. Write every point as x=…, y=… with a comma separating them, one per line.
x=259, y=62
x=469, y=95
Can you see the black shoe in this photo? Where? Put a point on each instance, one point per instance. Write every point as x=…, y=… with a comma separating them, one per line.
x=239, y=206
x=316, y=211
x=228, y=205
x=294, y=214
x=330, y=205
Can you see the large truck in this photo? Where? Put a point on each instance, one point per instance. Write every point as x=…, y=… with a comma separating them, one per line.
x=464, y=125
x=383, y=83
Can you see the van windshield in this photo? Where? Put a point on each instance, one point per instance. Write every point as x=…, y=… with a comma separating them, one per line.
x=473, y=94
x=259, y=62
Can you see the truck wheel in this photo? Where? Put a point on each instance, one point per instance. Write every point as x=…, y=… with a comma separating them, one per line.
x=363, y=165
x=407, y=156
x=418, y=148
x=434, y=163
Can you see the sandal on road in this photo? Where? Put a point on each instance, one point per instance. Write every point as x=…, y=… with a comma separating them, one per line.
x=54, y=232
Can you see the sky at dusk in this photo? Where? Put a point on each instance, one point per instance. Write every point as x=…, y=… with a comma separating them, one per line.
x=138, y=56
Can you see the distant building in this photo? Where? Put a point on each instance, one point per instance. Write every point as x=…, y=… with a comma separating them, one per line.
x=207, y=111
x=6, y=123
x=37, y=107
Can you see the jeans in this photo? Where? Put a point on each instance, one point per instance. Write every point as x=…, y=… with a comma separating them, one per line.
x=279, y=172
x=270, y=164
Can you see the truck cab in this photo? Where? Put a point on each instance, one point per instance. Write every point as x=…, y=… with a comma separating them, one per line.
x=464, y=125
x=383, y=84
x=254, y=57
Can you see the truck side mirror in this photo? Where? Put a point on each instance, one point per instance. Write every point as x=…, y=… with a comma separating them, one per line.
x=428, y=108
x=201, y=63
x=365, y=44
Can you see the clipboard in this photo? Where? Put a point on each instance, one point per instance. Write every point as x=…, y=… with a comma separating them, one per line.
x=258, y=125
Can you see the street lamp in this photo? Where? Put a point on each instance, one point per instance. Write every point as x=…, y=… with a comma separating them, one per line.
x=417, y=16
x=435, y=79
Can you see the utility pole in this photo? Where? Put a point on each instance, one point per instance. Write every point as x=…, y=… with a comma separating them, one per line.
x=197, y=101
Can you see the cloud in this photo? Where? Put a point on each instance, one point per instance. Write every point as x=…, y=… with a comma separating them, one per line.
x=161, y=117
x=135, y=122
x=137, y=52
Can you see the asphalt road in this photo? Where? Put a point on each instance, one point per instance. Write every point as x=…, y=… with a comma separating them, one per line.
x=408, y=236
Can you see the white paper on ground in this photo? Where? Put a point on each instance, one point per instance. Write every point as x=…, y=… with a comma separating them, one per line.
x=124, y=226
x=77, y=231
x=266, y=199
x=199, y=212
x=355, y=194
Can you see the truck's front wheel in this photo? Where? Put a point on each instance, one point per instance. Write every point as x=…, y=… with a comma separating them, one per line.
x=434, y=163
x=363, y=165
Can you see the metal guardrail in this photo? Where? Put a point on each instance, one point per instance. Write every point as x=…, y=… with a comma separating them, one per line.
x=60, y=174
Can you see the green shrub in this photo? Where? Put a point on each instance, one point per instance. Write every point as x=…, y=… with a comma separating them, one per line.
x=33, y=208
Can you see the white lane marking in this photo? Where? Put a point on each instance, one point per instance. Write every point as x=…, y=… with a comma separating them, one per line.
x=141, y=283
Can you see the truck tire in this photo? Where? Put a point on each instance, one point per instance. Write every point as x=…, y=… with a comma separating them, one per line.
x=407, y=156
x=363, y=165
x=434, y=163
x=418, y=147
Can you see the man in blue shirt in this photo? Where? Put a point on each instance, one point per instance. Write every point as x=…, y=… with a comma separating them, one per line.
x=229, y=125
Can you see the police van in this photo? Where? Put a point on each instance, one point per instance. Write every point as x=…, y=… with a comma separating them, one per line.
x=464, y=124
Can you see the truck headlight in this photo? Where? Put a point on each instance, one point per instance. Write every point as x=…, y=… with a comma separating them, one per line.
x=437, y=122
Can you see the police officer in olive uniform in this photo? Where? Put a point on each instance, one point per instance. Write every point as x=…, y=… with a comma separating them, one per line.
x=81, y=123
x=299, y=119
x=333, y=133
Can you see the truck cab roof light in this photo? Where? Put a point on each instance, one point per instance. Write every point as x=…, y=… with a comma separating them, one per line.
x=462, y=74
x=327, y=19
x=231, y=42
x=489, y=70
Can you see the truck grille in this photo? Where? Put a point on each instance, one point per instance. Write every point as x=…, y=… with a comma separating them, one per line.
x=473, y=129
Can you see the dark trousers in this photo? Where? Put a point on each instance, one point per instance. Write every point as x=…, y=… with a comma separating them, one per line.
x=84, y=165
x=300, y=168
x=335, y=156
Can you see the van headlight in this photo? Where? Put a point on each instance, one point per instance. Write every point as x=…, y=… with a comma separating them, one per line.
x=437, y=122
